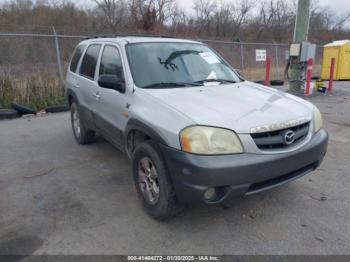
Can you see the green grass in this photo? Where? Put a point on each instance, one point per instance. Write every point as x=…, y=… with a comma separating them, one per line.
x=33, y=91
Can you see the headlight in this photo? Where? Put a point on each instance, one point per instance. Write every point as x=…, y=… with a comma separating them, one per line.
x=318, y=123
x=210, y=141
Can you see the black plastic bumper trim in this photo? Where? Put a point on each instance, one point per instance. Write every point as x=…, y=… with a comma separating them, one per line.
x=241, y=174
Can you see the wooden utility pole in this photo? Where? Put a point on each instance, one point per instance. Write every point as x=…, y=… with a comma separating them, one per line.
x=301, y=32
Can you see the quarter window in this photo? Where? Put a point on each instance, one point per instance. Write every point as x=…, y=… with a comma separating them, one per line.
x=76, y=57
x=111, y=63
x=88, y=65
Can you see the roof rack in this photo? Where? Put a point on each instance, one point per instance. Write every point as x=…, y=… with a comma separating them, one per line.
x=127, y=35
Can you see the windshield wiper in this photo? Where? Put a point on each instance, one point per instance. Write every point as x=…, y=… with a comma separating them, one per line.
x=170, y=85
x=215, y=80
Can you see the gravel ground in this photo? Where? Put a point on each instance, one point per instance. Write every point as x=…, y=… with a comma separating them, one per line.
x=57, y=197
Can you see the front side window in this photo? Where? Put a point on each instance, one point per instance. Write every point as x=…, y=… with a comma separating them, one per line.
x=76, y=57
x=111, y=63
x=88, y=65
x=168, y=64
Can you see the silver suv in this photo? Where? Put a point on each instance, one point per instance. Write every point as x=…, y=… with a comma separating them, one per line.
x=195, y=131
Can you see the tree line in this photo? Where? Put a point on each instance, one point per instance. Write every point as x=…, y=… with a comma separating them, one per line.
x=232, y=20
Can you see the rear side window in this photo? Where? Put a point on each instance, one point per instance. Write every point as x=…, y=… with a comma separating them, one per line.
x=88, y=65
x=76, y=57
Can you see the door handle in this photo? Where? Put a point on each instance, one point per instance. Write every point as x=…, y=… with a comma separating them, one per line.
x=96, y=95
x=76, y=85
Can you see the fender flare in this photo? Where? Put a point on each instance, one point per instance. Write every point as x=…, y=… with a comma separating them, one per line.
x=134, y=124
x=71, y=93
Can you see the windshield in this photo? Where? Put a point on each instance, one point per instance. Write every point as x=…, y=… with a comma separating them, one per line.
x=165, y=65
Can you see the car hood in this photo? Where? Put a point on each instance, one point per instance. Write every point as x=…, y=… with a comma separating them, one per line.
x=239, y=107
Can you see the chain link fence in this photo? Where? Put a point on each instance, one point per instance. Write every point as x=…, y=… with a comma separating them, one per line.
x=29, y=68
x=29, y=72
x=242, y=56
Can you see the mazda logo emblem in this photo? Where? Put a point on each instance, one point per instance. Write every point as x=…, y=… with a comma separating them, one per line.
x=289, y=137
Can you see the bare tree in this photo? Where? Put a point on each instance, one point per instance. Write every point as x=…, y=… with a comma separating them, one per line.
x=178, y=21
x=239, y=11
x=114, y=12
x=326, y=25
x=150, y=14
x=222, y=18
x=275, y=20
x=204, y=12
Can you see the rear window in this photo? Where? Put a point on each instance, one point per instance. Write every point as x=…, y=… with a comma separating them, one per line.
x=76, y=57
x=88, y=65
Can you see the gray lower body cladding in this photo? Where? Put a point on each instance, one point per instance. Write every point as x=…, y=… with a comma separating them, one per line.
x=242, y=174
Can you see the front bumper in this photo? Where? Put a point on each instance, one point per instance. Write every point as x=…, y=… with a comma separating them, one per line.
x=242, y=174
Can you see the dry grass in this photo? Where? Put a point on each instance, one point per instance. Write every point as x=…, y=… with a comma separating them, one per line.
x=35, y=91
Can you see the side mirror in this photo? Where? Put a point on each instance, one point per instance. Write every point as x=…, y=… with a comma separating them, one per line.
x=111, y=82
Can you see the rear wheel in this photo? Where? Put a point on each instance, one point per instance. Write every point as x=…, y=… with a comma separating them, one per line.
x=81, y=134
x=153, y=183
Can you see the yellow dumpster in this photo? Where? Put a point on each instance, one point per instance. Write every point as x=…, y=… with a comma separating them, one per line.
x=340, y=50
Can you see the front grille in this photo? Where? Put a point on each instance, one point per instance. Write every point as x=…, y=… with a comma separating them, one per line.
x=276, y=139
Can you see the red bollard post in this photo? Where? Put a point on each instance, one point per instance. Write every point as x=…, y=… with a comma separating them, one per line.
x=268, y=70
x=331, y=76
x=310, y=63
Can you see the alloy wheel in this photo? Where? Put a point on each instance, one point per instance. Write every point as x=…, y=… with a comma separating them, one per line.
x=76, y=123
x=148, y=180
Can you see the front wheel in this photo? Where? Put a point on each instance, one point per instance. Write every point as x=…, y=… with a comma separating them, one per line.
x=153, y=182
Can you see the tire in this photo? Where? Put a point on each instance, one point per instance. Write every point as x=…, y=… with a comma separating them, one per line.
x=260, y=82
x=8, y=114
x=81, y=134
x=166, y=204
x=277, y=82
x=57, y=109
x=22, y=110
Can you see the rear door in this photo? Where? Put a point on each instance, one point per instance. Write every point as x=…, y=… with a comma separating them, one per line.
x=87, y=84
x=72, y=75
x=112, y=117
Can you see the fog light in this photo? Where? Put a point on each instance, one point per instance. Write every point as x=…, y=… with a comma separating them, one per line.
x=210, y=193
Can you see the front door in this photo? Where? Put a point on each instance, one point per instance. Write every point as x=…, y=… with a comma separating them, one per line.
x=112, y=104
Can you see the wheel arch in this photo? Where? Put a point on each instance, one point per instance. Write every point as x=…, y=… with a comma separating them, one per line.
x=71, y=96
x=137, y=132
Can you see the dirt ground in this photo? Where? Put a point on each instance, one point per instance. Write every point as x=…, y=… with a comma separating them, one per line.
x=57, y=197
